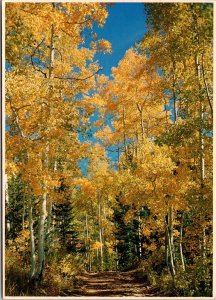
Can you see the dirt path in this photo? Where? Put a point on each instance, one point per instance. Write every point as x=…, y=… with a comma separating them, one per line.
x=113, y=284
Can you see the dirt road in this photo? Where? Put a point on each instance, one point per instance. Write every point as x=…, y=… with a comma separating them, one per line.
x=111, y=284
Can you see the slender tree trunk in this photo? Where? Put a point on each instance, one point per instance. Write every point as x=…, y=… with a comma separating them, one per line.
x=32, y=239
x=118, y=149
x=206, y=87
x=200, y=247
x=51, y=56
x=49, y=212
x=171, y=231
x=204, y=243
x=198, y=63
x=201, y=137
x=139, y=238
x=201, y=147
x=90, y=260
x=41, y=235
x=125, y=142
x=167, y=247
x=172, y=266
x=49, y=218
x=23, y=215
x=180, y=243
x=137, y=141
x=8, y=225
x=88, y=244
x=41, y=240
x=165, y=107
x=97, y=255
x=174, y=92
x=101, y=249
x=140, y=109
x=117, y=261
x=100, y=235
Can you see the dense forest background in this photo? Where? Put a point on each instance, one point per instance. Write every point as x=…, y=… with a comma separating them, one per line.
x=71, y=207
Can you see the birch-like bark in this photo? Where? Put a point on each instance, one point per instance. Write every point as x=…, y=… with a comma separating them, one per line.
x=8, y=225
x=201, y=138
x=167, y=247
x=174, y=92
x=49, y=218
x=206, y=87
x=139, y=238
x=204, y=243
x=117, y=261
x=100, y=235
x=171, y=231
x=140, y=109
x=180, y=243
x=124, y=126
x=88, y=244
x=90, y=260
x=41, y=235
x=197, y=61
x=23, y=215
x=32, y=239
x=201, y=147
x=172, y=266
x=49, y=211
x=137, y=141
x=97, y=255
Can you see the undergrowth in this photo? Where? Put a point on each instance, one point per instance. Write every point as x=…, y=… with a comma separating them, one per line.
x=58, y=277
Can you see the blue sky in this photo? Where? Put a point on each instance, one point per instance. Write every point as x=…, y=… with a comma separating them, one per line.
x=125, y=25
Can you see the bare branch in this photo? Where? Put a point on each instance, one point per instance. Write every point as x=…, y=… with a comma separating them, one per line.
x=17, y=119
x=32, y=56
x=77, y=78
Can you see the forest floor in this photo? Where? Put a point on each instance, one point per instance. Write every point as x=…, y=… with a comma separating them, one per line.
x=112, y=284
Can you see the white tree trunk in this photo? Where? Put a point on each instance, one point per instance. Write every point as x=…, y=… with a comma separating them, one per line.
x=125, y=142
x=117, y=261
x=201, y=137
x=180, y=244
x=171, y=231
x=49, y=218
x=174, y=92
x=32, y=239
x=41, y=235
x=139, y=238
x=100, y=235
x=167, y=248
x=7, y=204
x=204, y=243
x=173, y=272
x=88, y=245
x=23, y=215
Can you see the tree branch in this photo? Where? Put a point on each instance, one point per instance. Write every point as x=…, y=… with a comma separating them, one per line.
x=77, y=78
x=14, y=110
x=206, y=86
x=32, y=56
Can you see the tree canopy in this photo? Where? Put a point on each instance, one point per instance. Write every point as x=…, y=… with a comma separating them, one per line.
x=151, y=209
